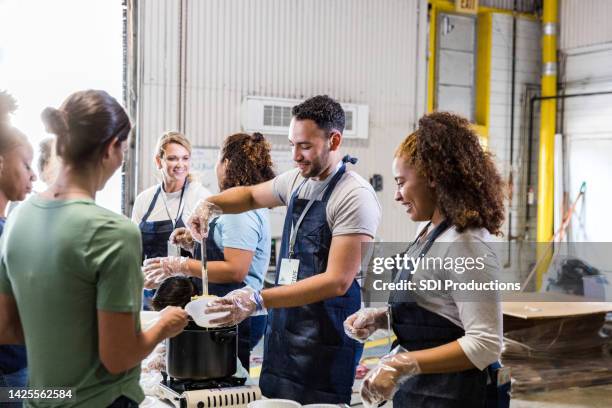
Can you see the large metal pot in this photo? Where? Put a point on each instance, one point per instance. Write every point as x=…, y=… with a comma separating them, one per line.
x=200, y=353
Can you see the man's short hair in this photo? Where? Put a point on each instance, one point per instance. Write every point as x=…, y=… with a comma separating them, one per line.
x=323, y=110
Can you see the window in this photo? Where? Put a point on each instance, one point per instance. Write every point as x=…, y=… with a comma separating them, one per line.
x=46, y=53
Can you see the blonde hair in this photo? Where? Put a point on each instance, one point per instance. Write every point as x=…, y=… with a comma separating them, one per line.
x=407, y=150
x=172, y=137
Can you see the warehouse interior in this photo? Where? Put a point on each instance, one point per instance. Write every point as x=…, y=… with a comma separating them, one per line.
x=532, y=77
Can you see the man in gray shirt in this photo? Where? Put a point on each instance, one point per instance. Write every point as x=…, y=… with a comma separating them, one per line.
x=331, y=212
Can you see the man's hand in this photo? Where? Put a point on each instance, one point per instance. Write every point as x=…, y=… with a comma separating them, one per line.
x=363, y=323
x=238, y=304
x=202, y=214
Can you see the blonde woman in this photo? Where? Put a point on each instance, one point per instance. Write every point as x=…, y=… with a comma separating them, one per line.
x=162, y=208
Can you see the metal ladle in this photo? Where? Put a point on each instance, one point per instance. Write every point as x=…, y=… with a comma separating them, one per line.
x=215, y=211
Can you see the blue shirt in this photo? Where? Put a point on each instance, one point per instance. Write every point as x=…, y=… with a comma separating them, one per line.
x=249, y=231
x=12, y=358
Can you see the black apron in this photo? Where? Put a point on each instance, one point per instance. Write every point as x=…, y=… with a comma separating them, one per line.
x=417, y=328
x=307, y=356
x=155, y=236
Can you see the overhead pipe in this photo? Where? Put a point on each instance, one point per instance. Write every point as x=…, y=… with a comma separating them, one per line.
x=511, y=161
x=532, y=102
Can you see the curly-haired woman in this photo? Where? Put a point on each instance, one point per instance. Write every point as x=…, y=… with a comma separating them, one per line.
x=16, y=178
x=238, y=245
x=450, y=339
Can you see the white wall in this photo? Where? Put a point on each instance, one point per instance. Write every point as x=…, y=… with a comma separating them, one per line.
x=586, y=43
x=357, y=51
x=586, y=46
x=584, y=23
x=588, y=134
x=527, y=74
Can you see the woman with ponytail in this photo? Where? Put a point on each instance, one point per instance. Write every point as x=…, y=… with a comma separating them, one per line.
x=238, y=245
x=16, y=178
x=72, y=268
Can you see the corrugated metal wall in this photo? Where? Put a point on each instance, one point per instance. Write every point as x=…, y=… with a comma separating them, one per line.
x=525, y=6
x=357, y=51
x=585, y=22
x=158, y=91
x=527, y=76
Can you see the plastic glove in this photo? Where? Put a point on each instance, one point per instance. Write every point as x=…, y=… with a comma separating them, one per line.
x=183, y=238
x=383, y=381
x=155, y=270
x=198, y=221
x=240, y=303
x=361, y=324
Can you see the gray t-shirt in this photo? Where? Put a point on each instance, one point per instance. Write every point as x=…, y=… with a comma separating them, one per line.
x=353, y=207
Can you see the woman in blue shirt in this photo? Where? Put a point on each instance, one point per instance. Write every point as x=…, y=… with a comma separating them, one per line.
x=238, y=245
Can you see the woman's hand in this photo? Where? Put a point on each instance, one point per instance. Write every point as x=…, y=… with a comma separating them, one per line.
x=172, y=321
x=155, y=270
x=182, y=236
x=383, y=381
x=363, y=323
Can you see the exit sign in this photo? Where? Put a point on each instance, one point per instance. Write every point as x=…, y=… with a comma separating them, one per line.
x=466, y=6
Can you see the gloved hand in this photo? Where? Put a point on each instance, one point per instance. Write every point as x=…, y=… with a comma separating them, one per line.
x=240, y=303
x=361, y=324
x=383, y=381
x=155, y=270
x=198, y=221
x=183, y=238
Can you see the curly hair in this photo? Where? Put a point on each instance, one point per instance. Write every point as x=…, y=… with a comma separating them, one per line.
x=323, y=110
x=10, y=136
x=248, y=160
x=446, y=151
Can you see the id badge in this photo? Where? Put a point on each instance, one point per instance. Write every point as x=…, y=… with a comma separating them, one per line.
x=173, y=249
x=288, y=271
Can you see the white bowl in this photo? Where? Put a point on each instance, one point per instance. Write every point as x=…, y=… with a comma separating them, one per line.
x=196, y=309
x=274, y=403
x=148, y=318
x=321, y=406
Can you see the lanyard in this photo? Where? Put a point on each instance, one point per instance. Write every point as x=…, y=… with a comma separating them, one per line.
x=294, y=229
x=178, y=211
x=440, y=228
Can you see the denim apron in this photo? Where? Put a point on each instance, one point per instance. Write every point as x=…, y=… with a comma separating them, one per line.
x=416, y=329
x=214, y=253
x=155, y=235
x=307, y=356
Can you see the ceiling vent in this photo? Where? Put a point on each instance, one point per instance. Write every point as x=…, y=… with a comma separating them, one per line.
x=272, y=116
